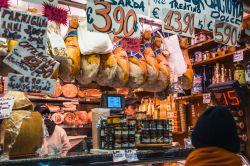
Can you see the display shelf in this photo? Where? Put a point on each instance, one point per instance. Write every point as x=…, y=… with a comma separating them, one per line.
x=87, y=126
x=37, y=99
x=154, y=146
x=202, y=44
x=191, y=97
x=228, y=56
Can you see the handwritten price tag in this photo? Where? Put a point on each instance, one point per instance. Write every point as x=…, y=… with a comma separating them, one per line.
x=178, y=22
x=119, y=155
x=31, y=84
x=131, y=155
x=104, y=17
x=6, y=105
x=226, y=33
x=29, y=60
x=131, y=44
x=206, y=98
x=238, y=56
x=16, y=25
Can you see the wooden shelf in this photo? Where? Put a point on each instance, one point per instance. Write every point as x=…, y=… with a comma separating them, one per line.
x=228, y=56
x=191, y=97
x=62, y=99
x=87, y=126
x=198, y=45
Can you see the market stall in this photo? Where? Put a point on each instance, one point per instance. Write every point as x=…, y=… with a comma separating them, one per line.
x=122, y=82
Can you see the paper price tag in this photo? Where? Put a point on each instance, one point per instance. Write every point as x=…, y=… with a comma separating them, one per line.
x=131, y=155
x=6, y=105
x=119, y=155
x=206, y=98
x=238, y=56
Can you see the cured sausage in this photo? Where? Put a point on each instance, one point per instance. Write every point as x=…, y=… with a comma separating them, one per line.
x=69, y=118
x=58, y=90
x=69, y=90
x=57, y=118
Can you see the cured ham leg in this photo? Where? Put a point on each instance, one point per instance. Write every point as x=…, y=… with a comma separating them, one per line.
x=188, y=76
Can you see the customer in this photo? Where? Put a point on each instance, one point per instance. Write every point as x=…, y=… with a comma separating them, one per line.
x=215, y=139
x=132, y=106
x=54, y=134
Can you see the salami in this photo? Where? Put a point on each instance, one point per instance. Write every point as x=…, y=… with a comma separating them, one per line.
x=69, y=118
x=69, y=90
x=57, y=118
x=90, y=117
x=58, y=90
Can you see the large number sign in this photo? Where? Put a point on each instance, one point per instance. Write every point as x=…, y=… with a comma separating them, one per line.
x=117, y=17
x=16, y=25
x=30, y=84
x=226, y=33
x=178, y=22
x=29, y=60
x=230, y=11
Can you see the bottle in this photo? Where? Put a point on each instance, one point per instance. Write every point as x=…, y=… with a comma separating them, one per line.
x=222, y=75
x=243, y=137
x=247, y=73
x=230, y=77
x=239, y=73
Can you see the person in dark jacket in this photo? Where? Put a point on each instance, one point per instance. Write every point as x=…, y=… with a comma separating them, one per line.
x=215, y=139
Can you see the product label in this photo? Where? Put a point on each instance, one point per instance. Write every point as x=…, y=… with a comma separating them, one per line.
x=6, y=105
x=206, y=98
x=119, y=155
x=240, y=76
x=131, y=155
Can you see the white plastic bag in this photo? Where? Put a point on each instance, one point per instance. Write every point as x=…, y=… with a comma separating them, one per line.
x=176, y=59
x=93, y=42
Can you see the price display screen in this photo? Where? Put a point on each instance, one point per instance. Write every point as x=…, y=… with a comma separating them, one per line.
x=114, y=102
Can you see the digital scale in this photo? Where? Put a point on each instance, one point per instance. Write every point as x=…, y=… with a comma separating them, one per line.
x=234, y=96
x=115, y=102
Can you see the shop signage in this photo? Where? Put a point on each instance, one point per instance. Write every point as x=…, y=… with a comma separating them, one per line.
x=119, y=155
x=131, y=155
x=178, y=22
x=238, y=56
x=6, y=105
x=107, y=17
x=230, y=11
x=131, y=44
x=29, y=60
x=57, y=14
x=4, y=4
x=206, y=98
x=55, y=2
x=16, y=25
x=226, y=33
x=30, y=84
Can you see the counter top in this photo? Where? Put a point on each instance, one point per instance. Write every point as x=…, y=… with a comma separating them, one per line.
x=97, y=158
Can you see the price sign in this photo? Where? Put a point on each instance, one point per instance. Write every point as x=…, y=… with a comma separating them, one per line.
x=226, y=33
x=29, y=60
x=106, y=18
x=238, y=56
x=178, y=22
x=156, y=7
x=131, y=155
x=55, y=2
x=119, y=155
x=206, y=98
x=16, y=25
x=31, y=84
x=6, y=105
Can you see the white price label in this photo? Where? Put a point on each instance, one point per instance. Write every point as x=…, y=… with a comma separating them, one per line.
x=238, y=56
x=131, y=155
x=119, y=155
x=6, y=105
x=206, y=98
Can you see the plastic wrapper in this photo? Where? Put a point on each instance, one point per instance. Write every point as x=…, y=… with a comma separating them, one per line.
x=93, y=42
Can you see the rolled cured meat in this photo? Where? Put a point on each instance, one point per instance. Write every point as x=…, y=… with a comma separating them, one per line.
x=69, y=90
x=89, y=69
x=70, y=104
x=93, y=93
x=69, y=118
x=122, y=73
x=152, y=64
x=57, y=118
x=89, y=117
x=107, y=70
x=82, y=116
x=54, y=108
x=81, y=93
x=58, y=89
x=71, y=109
